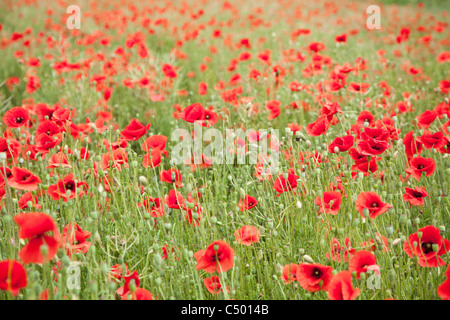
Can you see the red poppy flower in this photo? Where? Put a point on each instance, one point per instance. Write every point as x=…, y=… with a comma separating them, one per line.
x=213, y=285
x=36, y=227
x=67, y=188
x=443, y=290
x=365, y=116
x=418, y=165
x=371, y=147
x=361, y=261
x=73, y=239
x=415, y=196
x=12, y=276
x=339, y=253
x=274, y=107
x=153, y=205
x=192, y=113
x=319, y=127
x=428, y=247
x=124, y=291
x=343, y=144
x=218, y=257
x=372, y=202
x=412, y=145
x=247, y=235
x=172, y=176
x=193, y=215
x=358, y=87
x=283, y=184
x=314, y=277
x=134, y=130
x=152, y=159
x=435, y=140
x=289, y=273
x=16, y=117
x=115, y=159
x=28, y=197
x=169, y=71
x=329, y=203
x=341, y=288
x=23, y=179
x=154, y=142
x=426, y=119
x=175, y=200
x=247, y=203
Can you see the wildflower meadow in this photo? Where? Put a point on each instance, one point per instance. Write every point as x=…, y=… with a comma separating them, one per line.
x=224, y=150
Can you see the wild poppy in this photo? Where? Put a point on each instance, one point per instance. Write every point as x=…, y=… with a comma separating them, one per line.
x=415, y=196
x=12, y=276
x=134, y=130
x=66, y=188
x=289, y=274
x=443, y=290
x=314, y=276
x=172, y=176
x=23, y=179
x=283, y=184
x=341, y=144
x=340, y=253
x=40, y=229
x=319, y=127
x=213, y=285
x=218, y=257
x=16, y=117
x=372, y=202
x=29, y=197
x=341, y=288
x=329, y=203
x=361, y=261
x=428, y=247
x=247, y=203
x=74, y=238
x=247, y=235
x=420, y=165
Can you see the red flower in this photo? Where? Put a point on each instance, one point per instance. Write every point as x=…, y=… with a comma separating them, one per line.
x=134, y=130
x=12, y=276
x=435, y=140
x=314, y=277
x=423, y=247
x=443, y=290
x=274, y=107
x=218, y=257
x=372, y=202
x=175, y=200
x=67, y=189
x=172, y=176
x=247, y=235
x=247, y=203
x=289, y=273
x=361, y=261
x=194, y=112
x=36, y=227
x=154, y=142
x=426, y=119
x=213, y=285
x=412, y=146
x=418, y=165
x=319, y=127
x=74, y=239
x=23, y=179
x=16, y=117
x=415, y=196
x=283, y=184
x=25, y=198
x=337, y=250
x=169, y=71
x=343, y=144
x=341, y=288
x=330, y=202
x=371, y=147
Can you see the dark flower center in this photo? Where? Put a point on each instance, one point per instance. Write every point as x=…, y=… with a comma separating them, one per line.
x=420, y=166
x=19, y=119
x=427, y=247
x=374, y=205
x=317, y=273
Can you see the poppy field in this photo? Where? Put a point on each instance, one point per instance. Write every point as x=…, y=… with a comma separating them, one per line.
x=224, y=149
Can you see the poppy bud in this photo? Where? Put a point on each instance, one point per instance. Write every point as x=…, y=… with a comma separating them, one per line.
x=419, y=234
x=435, y=247
x=391, y=276
x=389, y=231
x=403, y=219
x=44, y=250
x=308, y=258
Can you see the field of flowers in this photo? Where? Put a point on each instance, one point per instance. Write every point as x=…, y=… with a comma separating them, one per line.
x=327, y=178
